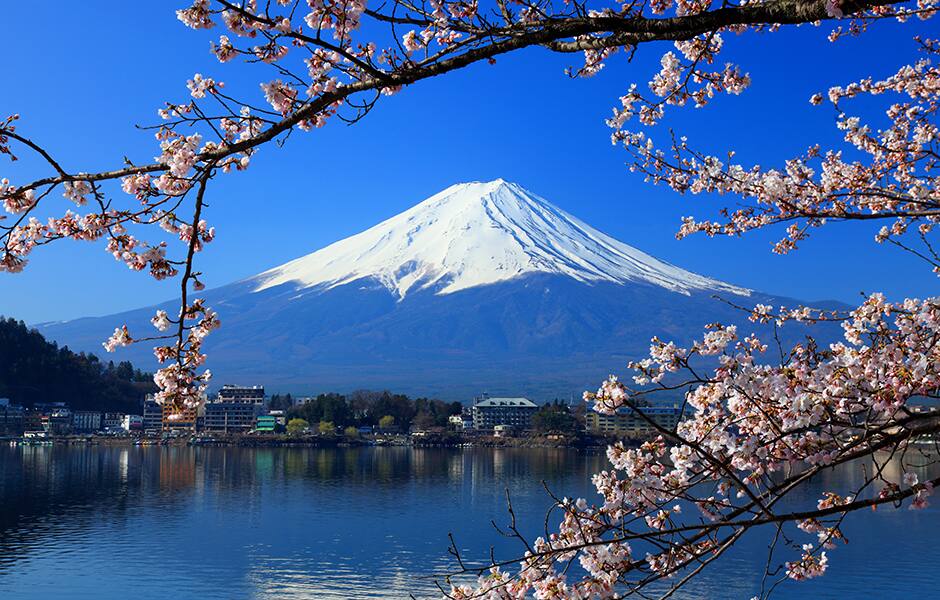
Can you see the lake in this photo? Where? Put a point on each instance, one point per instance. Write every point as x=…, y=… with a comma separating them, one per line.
x=277, y=523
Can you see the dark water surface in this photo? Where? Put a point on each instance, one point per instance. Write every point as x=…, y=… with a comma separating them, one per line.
x=214, y=523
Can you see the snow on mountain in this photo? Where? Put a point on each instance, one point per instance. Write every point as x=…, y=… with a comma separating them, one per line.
x=474, y=234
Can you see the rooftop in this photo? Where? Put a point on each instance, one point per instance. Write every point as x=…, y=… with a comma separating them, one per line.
x=649, y=410
x=521, y=402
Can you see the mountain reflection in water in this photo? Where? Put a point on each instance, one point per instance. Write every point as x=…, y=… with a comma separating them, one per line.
x=208, y=523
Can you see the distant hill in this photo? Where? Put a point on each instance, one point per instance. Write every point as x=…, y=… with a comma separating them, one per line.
x=33, y=369
x=481, y=287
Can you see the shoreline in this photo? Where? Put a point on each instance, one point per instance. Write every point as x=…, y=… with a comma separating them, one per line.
x=447, y=440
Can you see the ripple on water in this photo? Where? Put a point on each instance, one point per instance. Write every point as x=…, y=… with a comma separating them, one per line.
x=286, y=524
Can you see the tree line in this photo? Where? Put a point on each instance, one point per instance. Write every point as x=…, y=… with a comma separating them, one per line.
x=33, y=369
x=389, y=411
x=370, y=409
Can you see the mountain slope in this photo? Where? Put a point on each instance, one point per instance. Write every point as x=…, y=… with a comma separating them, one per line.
x=483, y=286
x=478, y=234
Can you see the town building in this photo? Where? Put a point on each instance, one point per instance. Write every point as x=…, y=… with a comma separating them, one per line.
x=235, y=409
x=181, y=421
x=461, y=422
x=11, y=418
x=132, y=423
x=628, y=423
x=280, y=417
x=57, y=421
x=253, y=394
x=514, y=412
x=153, y=415
x=112, y=421
x=231, y=416
x=266, y=424
x=86, y=421
x=502, y=430
x=32, y=420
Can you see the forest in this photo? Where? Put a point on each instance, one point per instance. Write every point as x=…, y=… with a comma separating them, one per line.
x=33, y=369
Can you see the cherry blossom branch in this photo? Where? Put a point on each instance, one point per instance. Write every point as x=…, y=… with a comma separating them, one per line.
x=752, y=433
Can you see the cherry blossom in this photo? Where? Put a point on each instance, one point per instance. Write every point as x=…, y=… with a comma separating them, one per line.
x=196, y=16
x=120, y=337
x=755, y=422
x=199, y=85
x=281, y=97
x=224, y=50
x=76, y=191
x=161, y=321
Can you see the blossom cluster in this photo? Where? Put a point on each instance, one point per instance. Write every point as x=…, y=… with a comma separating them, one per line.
x=752, y=425
x=897, y=180
x=181, y=384
x=679, y=500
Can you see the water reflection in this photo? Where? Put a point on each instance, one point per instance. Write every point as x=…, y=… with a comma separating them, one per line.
x=335, y=523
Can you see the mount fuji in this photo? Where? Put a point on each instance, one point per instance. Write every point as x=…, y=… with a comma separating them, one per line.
x=475, y=234
x=481, y=287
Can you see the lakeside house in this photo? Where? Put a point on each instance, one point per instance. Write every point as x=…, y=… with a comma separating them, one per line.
x=235, y=409
x=514, y=413
x=266, y=424
x=461, y=422
x=58, y=420
x=153, y=415
x=112, y=421
x=11, y=417
x=185, y=421
x=132, y=423
x=628, y=423
x=86, y=421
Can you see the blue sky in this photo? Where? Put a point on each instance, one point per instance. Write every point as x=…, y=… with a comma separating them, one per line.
x=87, y=76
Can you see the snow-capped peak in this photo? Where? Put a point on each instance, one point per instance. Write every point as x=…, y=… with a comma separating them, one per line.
x=479, y=233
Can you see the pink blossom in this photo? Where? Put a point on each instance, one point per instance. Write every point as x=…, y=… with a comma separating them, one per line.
x=280, y=96
x=196, y=16
x=199, y=85
x=161, y=321
x=120, y=337
x=224, y=50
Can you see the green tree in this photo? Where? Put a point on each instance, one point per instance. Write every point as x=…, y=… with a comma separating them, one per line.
x=124, y=371
x=399, y=406
x=325, y=407
x=351, y=432
x=554, y=417
x=423, y=420
x=327, y=427
x=387, y=422
x=279, y=402
x=295, y=426
x=34, y=370
x=334, y=409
